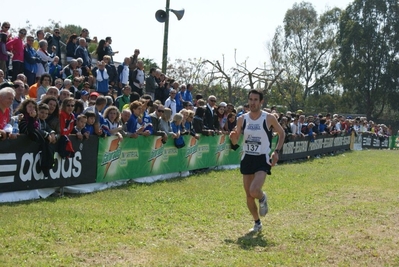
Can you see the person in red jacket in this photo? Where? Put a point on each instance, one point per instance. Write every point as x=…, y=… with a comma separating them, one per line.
x=67, y=123
x=16, y=47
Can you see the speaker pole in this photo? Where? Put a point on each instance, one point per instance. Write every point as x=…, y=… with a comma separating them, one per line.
x=165, y=39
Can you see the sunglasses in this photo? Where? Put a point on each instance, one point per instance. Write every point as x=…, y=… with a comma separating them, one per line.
x=212, y=100
x=6, y=27
x=70, y=106
x=57, y=32
x=23, y=33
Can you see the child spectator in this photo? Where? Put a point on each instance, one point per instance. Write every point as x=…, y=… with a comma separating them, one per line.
x=80, y=128
x=177, y=128
x=91, y=118
x=111, y=121
x=44, y=128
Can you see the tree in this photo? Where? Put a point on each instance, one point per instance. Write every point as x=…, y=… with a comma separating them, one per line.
x=369, y=41
x=304, y=48
x=259, y=78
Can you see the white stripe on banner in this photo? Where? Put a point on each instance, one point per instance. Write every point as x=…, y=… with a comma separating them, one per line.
x=8, y=156
x=8, y=168
x=6, y=179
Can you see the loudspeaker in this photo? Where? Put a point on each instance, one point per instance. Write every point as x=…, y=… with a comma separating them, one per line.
x=179, y=13
x=161, y=15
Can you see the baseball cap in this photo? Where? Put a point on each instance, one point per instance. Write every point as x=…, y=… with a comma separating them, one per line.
x=222, y=104
x=84, y=92
x=95, y=94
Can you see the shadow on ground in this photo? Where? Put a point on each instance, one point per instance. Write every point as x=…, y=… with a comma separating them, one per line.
x=251, y=240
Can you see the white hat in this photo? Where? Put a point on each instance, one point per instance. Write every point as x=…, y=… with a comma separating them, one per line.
x=222, y=104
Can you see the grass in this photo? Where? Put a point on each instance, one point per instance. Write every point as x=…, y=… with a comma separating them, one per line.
x=333, y=211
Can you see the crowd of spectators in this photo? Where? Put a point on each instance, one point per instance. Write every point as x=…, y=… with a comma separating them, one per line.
x=298, y=125
x=49, y=102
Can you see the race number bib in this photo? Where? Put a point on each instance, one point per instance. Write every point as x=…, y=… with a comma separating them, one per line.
x=252, y=147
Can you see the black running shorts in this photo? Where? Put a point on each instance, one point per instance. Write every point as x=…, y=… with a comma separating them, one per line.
x=251, y=164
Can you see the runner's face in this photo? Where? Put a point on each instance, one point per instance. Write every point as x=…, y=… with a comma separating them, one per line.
x=254, y=103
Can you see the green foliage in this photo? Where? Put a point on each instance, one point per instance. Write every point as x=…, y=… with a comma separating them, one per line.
x=369, y=63
x=304, y=48
x=333, y=211
x=149, y=63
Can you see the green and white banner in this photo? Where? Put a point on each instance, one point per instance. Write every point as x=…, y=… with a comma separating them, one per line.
x=147, y=156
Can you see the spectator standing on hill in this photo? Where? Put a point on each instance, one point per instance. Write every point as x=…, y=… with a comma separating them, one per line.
x=179, y=97
x=123, y=74
x=150, y=83
x=171, y=102
x=255, y=163
x=133, y=60
x=31, y=58
x=55, y=69
x=54, y=40
x=39, y=37
x=112, y=73
x=16, y=47
x=100, y=50
x=71, y=47
x=137, y=78
x=3, y=52
x=45, y=57
x=102, y=78
x=82, y=52
x=187, y=95
x=108, y=49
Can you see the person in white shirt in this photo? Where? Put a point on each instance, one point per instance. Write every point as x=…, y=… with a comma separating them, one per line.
x=171, y=102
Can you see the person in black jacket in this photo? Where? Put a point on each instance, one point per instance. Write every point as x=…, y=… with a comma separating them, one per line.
x=210, y=120
x=155, y=120
x=44, y=136
x=198, y=122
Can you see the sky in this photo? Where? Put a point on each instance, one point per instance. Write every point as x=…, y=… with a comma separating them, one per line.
x=209, y=29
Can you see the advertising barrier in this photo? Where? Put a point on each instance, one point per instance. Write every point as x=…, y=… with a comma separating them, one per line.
x=20, y=167
x=104, y=161
x=142, y=157
x=303, y=147
x=370, y=140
